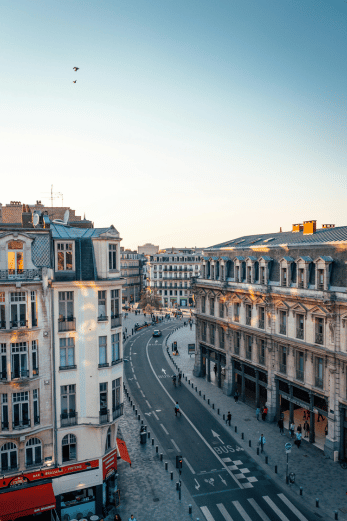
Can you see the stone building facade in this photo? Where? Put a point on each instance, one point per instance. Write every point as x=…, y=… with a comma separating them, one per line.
x=131, y=271
x=271, y=314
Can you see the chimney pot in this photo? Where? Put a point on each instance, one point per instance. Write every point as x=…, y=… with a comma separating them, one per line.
x=298, y=227
x=328, y=225
x=309, y=227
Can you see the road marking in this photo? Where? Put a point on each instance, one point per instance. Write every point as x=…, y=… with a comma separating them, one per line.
x=224, y=512
x=222, y=480
x=155, y=416
x=215, y=435
x=207, y=513
x=275, y=508
x=132, y=369
x=175, y=445
x=135, y=377
x=149, y=405
x=192, y=425
x=292, y=507
x=226, y=460
x=143, y=394
x=189, y=465
x=197, y=486
x=138, y=385
x=258, y=510
x=241, y=511
x=216, y=492
x=162, y=426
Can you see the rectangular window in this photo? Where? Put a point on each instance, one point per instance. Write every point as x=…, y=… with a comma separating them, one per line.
x=262, y=352
x=237, y=342
x=249, y=274
x=237, y=308
x=248, y=314
x=261, y=324
x=221, y=338
x=18, y=309
x=203, y=304
x=19, y=360
x=20, y=410
x=237, y=273
x=67, y=353
x=283, y=322
x=283, y=359
x=2, y=311
x=3, y=362
x=68, y=404
x=4, y=412
x=300, y=326
x=319, y=330
x=103, y=351
x=34, y=358
x=221, y=309
x=33, y=309
x=112, y=257
x=211, y=306
x=249, y=347
x=36, y=407
x=320, y=279
x=65, y=256
x=103, y=397
x=33, y=453
x=319, y=373
x=301, y=278
x=115, y=348
x=300, y=366
x=102, y=314
x=284, y=276
x=116, y=386
x=262, y=274
x=203, y=331
x=212, y=333
x=66, y=307
x=115, y=304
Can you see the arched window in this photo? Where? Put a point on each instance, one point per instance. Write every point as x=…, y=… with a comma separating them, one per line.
x=33, y=452
x=108, y=440
x=69, y=446
x=9, y=457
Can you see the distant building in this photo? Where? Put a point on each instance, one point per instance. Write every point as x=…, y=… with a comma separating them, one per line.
x=148, y=249
x=131, y=264
x=170, y=275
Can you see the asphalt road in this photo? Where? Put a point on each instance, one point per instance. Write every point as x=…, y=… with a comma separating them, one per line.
x=225, y=482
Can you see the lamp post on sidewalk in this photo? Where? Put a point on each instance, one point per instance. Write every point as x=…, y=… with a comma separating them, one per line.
x=288, y=447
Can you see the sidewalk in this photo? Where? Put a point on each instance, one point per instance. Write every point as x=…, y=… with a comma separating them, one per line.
x=320, y=477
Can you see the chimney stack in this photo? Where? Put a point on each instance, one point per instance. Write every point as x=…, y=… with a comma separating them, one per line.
x=328, y=226
x=298, y=227
x=309, y=227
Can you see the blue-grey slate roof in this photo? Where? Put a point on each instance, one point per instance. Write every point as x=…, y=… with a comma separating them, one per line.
x=321, y=236
x=306, y=258
x=288, y=259
x=60, y=231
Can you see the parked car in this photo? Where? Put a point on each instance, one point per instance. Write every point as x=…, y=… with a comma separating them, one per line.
x=157, y=332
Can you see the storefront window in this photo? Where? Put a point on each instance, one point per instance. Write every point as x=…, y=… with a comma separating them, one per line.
x=78, y=502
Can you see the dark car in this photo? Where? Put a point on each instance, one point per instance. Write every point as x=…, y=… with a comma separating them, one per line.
x=157, y=332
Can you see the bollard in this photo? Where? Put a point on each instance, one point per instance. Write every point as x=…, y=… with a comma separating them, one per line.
x=301, y=491
x=152, y=441
x=192, y=386
x=135, y=411
x=177, y=485
x=213, y=406
x=189, y=382
x=336, y=514
x=317, y=502
x=250, y=443
x=156, y=449
x=235, y=428
x=257, y=451
x=149, y=434
x=131, y=402
x=223, y=417
x=204, y=397
x=266, y=459
x=166, y=465
x=141, y=422
x=171, y=475
x=208, y=401
x=138, y=417
x=242, y=436
x=190, y=510
x=133, y=406
x=275, y=469
x=196, y=389
x=161, y=457
x=199, y=393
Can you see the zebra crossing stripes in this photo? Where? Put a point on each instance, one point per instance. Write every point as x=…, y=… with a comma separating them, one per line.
x=224, y=512
x=276, y=509
x=241, y=511
x=292, y=507
x=258, y=510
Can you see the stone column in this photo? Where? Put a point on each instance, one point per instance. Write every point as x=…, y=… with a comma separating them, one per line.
x=312, y=419
x=197, y=371
x=257, y=401
x=291, y=405
x=208, y=366
x=243, y=383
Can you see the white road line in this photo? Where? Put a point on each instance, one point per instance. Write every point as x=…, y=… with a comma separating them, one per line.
x=241, y=511
x=207, y=513
x=135, y=378
x=138, y=385
x=174, y=444
x=275, y=508
x=132, y=369
x=162, y=426
x=155, y=416
x=192, y=425
x=149, y=405
x=292, y=507
x=224, y=512
x=258, y=510
x=189, y=465
x=143, y=394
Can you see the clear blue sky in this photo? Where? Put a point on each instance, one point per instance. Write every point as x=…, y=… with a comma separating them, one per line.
x=191, y=121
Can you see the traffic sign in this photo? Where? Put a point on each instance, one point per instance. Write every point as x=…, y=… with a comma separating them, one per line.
x=288, y=446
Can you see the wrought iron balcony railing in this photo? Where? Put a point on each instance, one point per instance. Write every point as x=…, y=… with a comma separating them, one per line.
x=6, y=275
x=19, y=373
x=21, y=424
x=117, y=411
x=16, y=324
x=66, y=324
x=116, y=321
x=299, y=333
x=319, y=338
x=283, y=329
x=104, y=416
x=68, y=418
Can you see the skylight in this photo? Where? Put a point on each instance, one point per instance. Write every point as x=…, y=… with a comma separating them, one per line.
x=270, y=239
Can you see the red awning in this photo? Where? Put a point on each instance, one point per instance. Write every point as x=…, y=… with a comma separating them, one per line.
x=26, y=502
x=123, y=451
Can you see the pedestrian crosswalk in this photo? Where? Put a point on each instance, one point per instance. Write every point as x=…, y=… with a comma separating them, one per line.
x=264, y=508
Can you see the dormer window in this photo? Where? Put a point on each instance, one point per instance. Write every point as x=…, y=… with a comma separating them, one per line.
x=284, y=277
x=262, y=274
x=301, y=280
x=15, y=258
x=320, y=279
x=65, y=256
x=112, y=257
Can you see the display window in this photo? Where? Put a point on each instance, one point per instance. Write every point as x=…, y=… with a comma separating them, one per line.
x=78, y=502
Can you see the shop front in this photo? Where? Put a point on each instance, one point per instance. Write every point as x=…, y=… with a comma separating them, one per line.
x=23, y=500
x=183, y=302
x=251, y=383
x=109, y=488
x=212, y=365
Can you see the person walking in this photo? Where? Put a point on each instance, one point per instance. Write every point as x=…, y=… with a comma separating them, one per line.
x=257, y=412
x=280, y=424
x=215, y=369
x=298, y=439
x=177, y=409
x=262, y=442
x=307, y=429
x=117, y=517
x=264, y=414
x=299, y=428
x=131, y=518
x=292, y=429
x=236, y=396
x=229, y=418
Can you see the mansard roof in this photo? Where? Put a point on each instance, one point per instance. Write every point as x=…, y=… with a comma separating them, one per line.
x=321, y=236
x=60, y=231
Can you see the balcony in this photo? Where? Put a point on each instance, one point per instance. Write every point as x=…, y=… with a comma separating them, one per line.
x=67, y=367
x=300, y=375
x=237, y=350
x=102, y=318
x=35, y=371
x=117, y=411
x=116, y=321
x=21, y=424
x=34, y=464
x=301, y=284
x=299, y=333
x=104, y=416
x=4, y=426
x=319, y=338
x=284, y=283
x=16, y=324
x=320, y=287
x=262, y=280
x=283, y=329
x=66, y=324
x=283, y=368
x=19, y=373
x=261, y=323
x=118, y=361
x=6, y=275
x=68, y=418
x=319, y=382
x=248, y=321
x=105, y=364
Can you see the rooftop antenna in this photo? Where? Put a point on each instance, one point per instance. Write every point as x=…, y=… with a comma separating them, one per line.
x=52, y=196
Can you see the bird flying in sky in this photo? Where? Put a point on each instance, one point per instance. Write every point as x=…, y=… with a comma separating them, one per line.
x=76, y=69
x=74, y=81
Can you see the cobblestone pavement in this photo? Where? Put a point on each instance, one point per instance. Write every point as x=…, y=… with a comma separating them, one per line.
x=320, y=477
